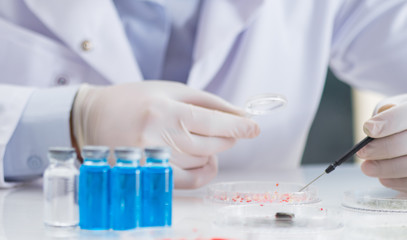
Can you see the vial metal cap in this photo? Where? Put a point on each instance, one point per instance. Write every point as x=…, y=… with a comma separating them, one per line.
x=157, y=152
x=61, y=153
x=128, y=153
x=95, y=152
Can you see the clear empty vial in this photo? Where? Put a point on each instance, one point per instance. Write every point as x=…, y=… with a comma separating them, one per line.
x=94, y=189
x=125, y=189
x=60, y=188
x=156, y=188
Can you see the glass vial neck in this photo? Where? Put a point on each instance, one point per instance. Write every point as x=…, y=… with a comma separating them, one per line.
x=155, y=161
x=127, y=156
x=61, y=155
x=157, y=155
x=127, y=163
x=95, y=155
x=91, y=161
x=59, y=162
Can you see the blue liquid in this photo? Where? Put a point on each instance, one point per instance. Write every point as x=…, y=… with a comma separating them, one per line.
x=125, y=197
x=156, y=193
x=94, y=197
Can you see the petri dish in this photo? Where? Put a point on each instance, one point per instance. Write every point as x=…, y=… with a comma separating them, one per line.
x=246, y=193
x=308, y=220
x=362, y=224
x=375, y=214
x=181, y=233
x=375, y=233
x=376, y=200
x=263, y=104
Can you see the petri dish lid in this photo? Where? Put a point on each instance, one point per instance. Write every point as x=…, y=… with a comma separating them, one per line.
x=260, y=193
x=262, y=219
x=263, y=104
x=376, y=200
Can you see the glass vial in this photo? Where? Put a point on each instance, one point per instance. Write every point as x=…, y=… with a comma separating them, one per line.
x=156, y=188
x=60, y=188
x=94, y=189
x=125, y=189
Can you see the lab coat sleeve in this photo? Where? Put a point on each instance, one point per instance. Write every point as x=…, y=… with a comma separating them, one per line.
x=12, y=102
x=34, y=119
x=369, y=45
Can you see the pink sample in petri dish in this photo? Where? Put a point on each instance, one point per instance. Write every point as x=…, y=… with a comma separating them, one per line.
x=260, y=193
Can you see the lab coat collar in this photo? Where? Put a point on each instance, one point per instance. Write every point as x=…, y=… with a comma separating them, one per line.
x=221, y=22
x=97, y=22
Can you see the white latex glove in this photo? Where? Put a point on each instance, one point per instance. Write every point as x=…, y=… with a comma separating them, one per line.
x=195, y=124
x=386, y=156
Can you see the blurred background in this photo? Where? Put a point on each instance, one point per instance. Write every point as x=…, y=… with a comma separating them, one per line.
x=338, y=124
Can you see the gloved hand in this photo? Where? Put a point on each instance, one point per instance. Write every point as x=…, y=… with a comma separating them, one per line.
x=386, y=156
x=195, y=124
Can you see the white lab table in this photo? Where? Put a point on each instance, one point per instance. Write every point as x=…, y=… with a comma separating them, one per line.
x=195, y=219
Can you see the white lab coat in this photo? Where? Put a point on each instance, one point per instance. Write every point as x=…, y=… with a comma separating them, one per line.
x=243, y=47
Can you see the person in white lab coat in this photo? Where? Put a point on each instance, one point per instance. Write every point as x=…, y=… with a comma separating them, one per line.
x=232, y=49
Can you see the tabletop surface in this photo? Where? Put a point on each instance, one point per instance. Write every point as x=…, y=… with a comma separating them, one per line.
x=198, y=219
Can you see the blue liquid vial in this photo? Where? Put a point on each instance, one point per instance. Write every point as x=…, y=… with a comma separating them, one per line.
x=94, y=189
x=60, y=188
x=156, y=188
x=125, y=192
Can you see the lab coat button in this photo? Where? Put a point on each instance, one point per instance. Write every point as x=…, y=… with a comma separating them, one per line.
x=62, y=80
x=86, y=46
x=34, y=162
